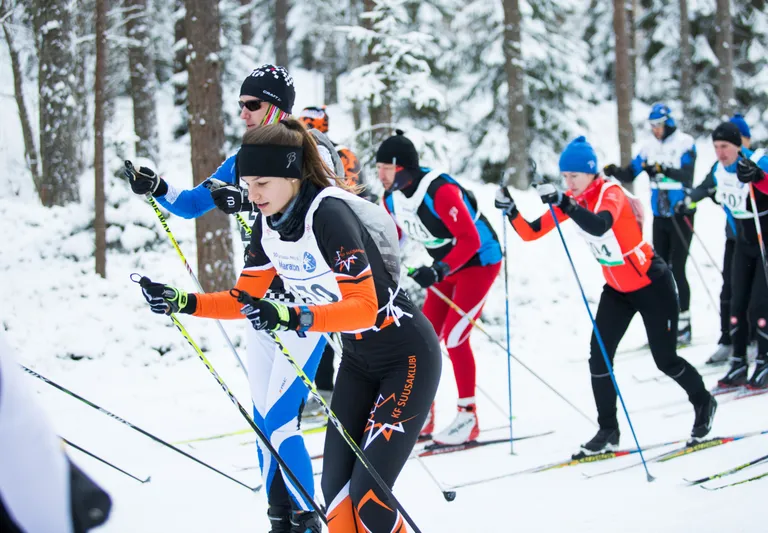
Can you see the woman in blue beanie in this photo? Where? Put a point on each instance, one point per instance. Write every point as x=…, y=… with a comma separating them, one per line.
x=637, y=281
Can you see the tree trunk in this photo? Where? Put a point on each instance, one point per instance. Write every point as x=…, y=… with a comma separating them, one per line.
x=623, y=81
x=517, y=134
x=85, y=51
x=206, y=129
x=381, y=114
x=179, y=68
x=331, y=71
x=281, y=32
x=246, y=24
x=724, y=45
x=632, y=29
x=30, y=152
x=99, y=223
x=142, y=67
x=58, y=133
x=355, y=61
x=686, y=76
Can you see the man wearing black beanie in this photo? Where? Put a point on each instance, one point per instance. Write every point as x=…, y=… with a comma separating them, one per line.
x=432, y=208
x=737, y=174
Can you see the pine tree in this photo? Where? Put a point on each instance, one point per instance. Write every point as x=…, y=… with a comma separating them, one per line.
x=397, y=74
x=660, y=77
x=142, y=75
x=556, y=80
x=206, y=131
x=58, y=125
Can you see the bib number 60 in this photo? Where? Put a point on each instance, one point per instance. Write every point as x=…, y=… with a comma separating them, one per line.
x=316, y=294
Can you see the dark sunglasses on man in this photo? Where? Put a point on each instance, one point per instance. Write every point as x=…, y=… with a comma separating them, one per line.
x=250, y=105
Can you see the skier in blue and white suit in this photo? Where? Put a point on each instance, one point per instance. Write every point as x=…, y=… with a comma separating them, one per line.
x=669, y=160
x=266, y=97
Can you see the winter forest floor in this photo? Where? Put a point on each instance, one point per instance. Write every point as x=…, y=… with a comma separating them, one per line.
x=98, y=338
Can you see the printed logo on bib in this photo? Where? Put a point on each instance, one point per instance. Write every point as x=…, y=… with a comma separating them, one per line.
x=288, y=262
x=309, y=262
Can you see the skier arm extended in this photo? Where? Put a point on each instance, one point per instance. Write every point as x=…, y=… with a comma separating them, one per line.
x=255, y=279
x=530, y=231
x=195, y=202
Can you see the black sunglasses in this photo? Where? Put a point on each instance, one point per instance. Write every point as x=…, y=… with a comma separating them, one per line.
x=250, y=105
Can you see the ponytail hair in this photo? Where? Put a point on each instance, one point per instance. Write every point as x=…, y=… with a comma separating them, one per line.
x=292, y=132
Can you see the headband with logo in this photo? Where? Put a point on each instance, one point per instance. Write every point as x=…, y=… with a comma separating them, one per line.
x=270, y=160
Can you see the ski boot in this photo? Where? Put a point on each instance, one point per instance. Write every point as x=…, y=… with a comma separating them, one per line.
x=759, y=379
x=721, y=355
x=280, y=519
x=464, y=427
x=606, y=440
x=429, y=425
x=305, y=522
x=705, y=414
x=736, y=376
x=684, y=329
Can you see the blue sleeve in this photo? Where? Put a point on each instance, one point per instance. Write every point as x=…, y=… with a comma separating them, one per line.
x=763, y=163
x=193, y=203
x=689, y=157
x=637, y=164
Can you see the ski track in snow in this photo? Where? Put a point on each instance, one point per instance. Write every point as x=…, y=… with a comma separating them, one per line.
x=54, y=307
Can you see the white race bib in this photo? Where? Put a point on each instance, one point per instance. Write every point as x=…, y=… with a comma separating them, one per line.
x=605, y=248
x=732, y=193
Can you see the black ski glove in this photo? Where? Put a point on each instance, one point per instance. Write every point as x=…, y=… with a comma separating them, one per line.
x=685, y=207
x=228, y=197
x=611, y=170
x=747, y=171
x=266, y=314
x=144, y=180
x=653, y=169
x=165, y=300
x=427, y=276
x=505, y=202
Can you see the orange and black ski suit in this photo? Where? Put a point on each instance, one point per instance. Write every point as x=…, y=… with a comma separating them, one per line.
x=637, y=281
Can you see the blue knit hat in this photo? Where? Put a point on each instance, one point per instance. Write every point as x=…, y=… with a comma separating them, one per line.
x=742, y=125
x=579, y=156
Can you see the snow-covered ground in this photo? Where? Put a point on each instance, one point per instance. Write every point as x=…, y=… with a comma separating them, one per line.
x=98, y=338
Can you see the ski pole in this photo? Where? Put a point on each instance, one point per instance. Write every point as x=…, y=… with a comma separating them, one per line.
x=248, y=418
x=175, y=244
x=482, y=330
x=86, y=452
x=509, y=349
x=135, y=428
x=243, y=297
x=701, y=242
x=600, y=342
x=759, y=229
x=695, y=264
